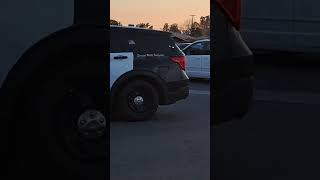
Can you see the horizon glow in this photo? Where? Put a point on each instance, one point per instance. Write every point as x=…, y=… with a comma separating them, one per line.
x=159, y=12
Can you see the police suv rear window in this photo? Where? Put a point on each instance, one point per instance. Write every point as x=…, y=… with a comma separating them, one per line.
x=141, y=41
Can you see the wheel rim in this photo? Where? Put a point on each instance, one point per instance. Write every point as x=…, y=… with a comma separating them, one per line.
x=91, y=123
x=81, y=125
x=138, y=101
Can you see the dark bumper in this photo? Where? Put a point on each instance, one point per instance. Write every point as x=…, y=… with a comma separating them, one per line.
x=176, y=91
x=234, y=100
x=233, y=93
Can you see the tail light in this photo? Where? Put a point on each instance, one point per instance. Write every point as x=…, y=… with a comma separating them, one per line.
x=232, y=8
x=181, y=60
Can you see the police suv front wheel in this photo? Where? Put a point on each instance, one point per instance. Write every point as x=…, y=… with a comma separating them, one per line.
x=138, y=101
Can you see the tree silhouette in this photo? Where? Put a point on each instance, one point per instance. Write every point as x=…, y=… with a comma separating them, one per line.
x=186, y=27
x=114, y=22
x=144, y=25
x=205, y=25
x=195, y=30
x=166, y=27
x=174, y=28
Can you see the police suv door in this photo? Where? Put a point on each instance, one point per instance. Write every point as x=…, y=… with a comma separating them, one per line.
x=121, y=59
x=120, y=63
x=268, y=25
x=306, y=21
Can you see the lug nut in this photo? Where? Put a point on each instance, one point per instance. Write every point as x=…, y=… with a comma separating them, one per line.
x=82, y=122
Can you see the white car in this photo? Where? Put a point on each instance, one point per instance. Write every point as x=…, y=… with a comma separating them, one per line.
x=183, y=45
x=198, y=59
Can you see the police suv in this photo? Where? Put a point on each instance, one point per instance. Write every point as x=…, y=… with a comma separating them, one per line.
x=147, y=69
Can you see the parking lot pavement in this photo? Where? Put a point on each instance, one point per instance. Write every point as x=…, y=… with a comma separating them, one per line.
x=278, y=139
x=174, y=145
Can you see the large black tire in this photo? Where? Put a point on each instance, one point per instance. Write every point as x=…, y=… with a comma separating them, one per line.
x=130, y=111
x=57, y=146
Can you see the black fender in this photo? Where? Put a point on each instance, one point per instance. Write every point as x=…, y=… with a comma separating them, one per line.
x=75, y=39
x=69, y=40
x=83, y=35
x=149, y=76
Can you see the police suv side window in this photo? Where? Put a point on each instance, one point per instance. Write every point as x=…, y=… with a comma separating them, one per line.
x=118, y=43
x=149, y=43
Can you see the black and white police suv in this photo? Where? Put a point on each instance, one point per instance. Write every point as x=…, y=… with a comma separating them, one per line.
x=147, y=69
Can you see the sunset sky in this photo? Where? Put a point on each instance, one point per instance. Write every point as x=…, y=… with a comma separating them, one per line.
x=158, y=12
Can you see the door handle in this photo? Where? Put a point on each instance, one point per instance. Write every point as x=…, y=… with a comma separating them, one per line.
x=121, y=57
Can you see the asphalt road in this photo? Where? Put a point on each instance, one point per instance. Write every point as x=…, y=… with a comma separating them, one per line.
x=279, y=137
x=174, y=145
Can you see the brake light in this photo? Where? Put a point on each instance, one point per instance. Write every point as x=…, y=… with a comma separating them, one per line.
x=232, y=8
x=181, y=60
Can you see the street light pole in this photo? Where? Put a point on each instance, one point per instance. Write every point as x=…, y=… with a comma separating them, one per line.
x=192, y=20
x=192, y=24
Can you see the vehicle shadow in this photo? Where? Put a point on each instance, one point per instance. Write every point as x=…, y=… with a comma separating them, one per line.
x=287, y=59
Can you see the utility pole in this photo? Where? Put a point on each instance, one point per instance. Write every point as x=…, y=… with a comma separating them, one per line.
x=192, y=23
x=192, y=20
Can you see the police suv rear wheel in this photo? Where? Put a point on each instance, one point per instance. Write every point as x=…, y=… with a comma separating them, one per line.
x=138, y=101
x=69, y=113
